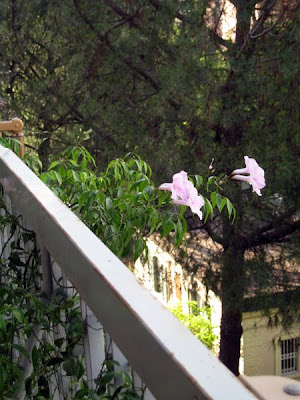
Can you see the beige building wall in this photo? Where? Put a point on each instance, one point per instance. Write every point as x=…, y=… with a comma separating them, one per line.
x=163, y=276
x=262, y=345
x=175, y=285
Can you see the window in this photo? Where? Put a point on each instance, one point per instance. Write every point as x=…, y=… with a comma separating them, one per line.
x=194, y=295
x=160, y=278
x=289, y=356
x=156, y=275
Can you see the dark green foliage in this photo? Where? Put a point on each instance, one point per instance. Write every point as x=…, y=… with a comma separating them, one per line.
x=107, y=388
x=26, y=313
x=159, y=78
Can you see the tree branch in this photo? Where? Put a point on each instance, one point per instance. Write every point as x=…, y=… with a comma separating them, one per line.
x=212, y=33
x=194, y=224
x=123, y=14
x=84, y=17
x=265, y=13
x=275, y=235
x=218, y=39
x=209, y=227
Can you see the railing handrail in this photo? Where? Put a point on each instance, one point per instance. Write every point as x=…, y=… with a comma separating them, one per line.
x=173, y=363
x=16, y=126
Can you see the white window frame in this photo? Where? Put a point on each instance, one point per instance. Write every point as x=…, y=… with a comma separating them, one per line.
x=283, y=354
x=289, y=356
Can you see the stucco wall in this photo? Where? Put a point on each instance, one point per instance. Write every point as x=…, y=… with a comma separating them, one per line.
x=261, y=345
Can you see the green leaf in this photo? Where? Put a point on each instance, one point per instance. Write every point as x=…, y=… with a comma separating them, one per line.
x=105, y=378
x=62, y=171
x=231, y=209
x=210, y=180
x=68, y=367
x=153, y=220
x=83, y=198
x=219, y=200
x=116, y=219
x=87, y=199
x=126, y=378
x=148, y=190
x=55, y=361
x=53, y=165
x=109, y=203
x=178, y=233
x=120, y=192
x=58, y=177
x=83, y=165
x=44, y=177
x=138, y=248
x=116, y=392
x=18, y=314
x=59, y=342
x=3, y=377
x=208, y=209
x=199, y=180
x=167, y=226
x=2, y=323
x=35, y=356
x=117, y=172
x=81, y=394
x=76, y=177
x=213, y=199
x=79, y=368
x=224, y=201
x=75, y=154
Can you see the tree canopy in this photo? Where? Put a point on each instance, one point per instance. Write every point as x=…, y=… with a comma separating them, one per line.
x=163, y=78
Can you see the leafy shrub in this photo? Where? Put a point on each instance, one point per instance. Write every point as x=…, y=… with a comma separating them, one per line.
x=198, y=322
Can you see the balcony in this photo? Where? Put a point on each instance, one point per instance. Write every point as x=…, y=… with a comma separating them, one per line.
x=121, y=319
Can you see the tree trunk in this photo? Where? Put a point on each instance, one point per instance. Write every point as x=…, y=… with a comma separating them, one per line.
x=233, y=289
x=233, y=271
x=243, y=18
x=44, y=149
x=44, y=152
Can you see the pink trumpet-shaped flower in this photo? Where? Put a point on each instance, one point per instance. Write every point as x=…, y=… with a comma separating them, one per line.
x=184, y=193
x=255, y=175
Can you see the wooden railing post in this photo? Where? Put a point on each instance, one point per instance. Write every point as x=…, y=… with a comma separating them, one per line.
x=15, y=126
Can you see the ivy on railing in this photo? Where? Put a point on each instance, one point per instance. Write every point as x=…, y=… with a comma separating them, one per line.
x=32, y=352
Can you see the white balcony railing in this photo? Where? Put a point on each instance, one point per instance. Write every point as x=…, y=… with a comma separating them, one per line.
x=165, y=355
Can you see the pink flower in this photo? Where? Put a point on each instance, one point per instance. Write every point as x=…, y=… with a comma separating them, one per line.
x=184, y=193
x=255, y=175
